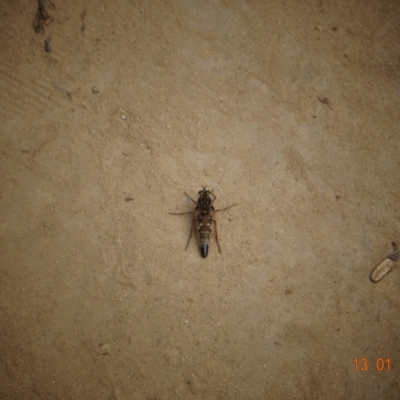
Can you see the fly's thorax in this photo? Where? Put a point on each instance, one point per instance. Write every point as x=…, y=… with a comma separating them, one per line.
x=204, y=203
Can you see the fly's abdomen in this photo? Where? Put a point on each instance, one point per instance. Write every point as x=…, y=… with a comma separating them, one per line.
x=204, y=250
x=204, y=228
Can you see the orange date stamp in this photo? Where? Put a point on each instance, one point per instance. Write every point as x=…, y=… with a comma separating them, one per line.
x=381, y=364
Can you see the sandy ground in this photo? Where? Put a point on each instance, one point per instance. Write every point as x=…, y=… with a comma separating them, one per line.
x=134, y=103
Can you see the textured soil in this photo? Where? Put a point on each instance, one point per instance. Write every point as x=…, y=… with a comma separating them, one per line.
x=111, y=111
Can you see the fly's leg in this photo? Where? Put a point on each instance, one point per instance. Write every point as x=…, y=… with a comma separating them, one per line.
x=212, y=193
x=223, y=209
x=195, y=202
x=192, y=227
x=215, y=223
x=191, y=231
x=216, y=234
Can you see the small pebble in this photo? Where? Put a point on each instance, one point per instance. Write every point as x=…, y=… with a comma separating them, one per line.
x=95, y=90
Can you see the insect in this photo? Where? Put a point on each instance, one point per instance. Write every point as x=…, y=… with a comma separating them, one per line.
x=203, y=219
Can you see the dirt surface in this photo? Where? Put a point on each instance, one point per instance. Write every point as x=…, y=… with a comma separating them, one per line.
x=115, y=108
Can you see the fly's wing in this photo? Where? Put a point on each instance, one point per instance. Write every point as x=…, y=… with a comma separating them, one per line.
x=385, y=267
x=196, y=219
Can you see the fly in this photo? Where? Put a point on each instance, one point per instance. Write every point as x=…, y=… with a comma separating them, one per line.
x=203, y=220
